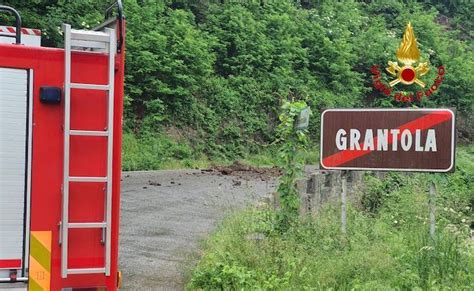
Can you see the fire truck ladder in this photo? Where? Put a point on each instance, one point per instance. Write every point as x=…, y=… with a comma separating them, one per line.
x=90, y=41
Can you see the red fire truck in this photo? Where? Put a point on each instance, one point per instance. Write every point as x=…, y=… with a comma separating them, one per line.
x=60, y=156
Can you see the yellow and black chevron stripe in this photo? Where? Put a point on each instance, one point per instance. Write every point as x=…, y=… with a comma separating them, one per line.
x=40, y=261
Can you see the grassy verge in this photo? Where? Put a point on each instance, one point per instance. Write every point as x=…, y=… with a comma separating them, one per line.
x=160, y=152
x=156, y=152
x=387, y=245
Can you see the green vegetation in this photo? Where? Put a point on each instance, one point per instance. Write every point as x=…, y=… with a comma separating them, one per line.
x=166, y=152
x=154, y=152
x=216, y=72
x=387, y=245
x=204, y=84
x=293, y=142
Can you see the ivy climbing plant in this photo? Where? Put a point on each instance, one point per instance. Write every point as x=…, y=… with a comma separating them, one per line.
x=293, y=143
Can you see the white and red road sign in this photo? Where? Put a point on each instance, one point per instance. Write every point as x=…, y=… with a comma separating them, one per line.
x=388, y=139
x=24, y=30
x=29, y=36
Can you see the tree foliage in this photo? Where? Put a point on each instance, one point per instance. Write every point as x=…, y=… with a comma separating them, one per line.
x=219, y=70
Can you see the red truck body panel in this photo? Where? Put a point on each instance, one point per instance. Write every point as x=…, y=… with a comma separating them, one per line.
x=88, y=157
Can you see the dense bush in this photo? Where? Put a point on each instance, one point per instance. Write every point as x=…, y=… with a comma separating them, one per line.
x=219, y=70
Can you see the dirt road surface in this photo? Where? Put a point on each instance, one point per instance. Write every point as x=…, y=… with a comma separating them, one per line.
x=165, y=214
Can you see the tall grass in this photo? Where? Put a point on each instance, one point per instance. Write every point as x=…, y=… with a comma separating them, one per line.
x=387, y=245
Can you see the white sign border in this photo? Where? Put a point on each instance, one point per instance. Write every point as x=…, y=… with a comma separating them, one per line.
x=453, y=139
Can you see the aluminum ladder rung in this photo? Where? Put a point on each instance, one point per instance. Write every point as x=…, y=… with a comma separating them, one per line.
x=90, y=86
x=87, y=225
x=97, y=45
x=89, y=132
x=87, y=179
x=86, y=271
x=89, y=35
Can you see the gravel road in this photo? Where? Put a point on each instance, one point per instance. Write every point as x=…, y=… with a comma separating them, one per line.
x=164, y=215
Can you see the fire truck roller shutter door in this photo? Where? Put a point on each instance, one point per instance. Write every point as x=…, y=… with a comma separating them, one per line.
x=13, y=169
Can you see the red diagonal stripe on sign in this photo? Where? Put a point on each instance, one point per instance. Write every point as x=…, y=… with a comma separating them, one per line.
x=422, y=123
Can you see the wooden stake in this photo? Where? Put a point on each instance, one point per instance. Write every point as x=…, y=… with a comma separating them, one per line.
x=432, y=202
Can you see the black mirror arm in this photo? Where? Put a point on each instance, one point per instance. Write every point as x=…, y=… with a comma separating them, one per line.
x=17, y=21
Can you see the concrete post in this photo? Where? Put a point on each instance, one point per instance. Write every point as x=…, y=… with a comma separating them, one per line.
x=311, y=193
x=301, y=186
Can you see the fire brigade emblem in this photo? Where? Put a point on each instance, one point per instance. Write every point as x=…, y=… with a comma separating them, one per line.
x=407, y=71
x=408, y=54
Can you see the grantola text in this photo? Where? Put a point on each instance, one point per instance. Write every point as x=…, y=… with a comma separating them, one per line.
x=385, y=137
